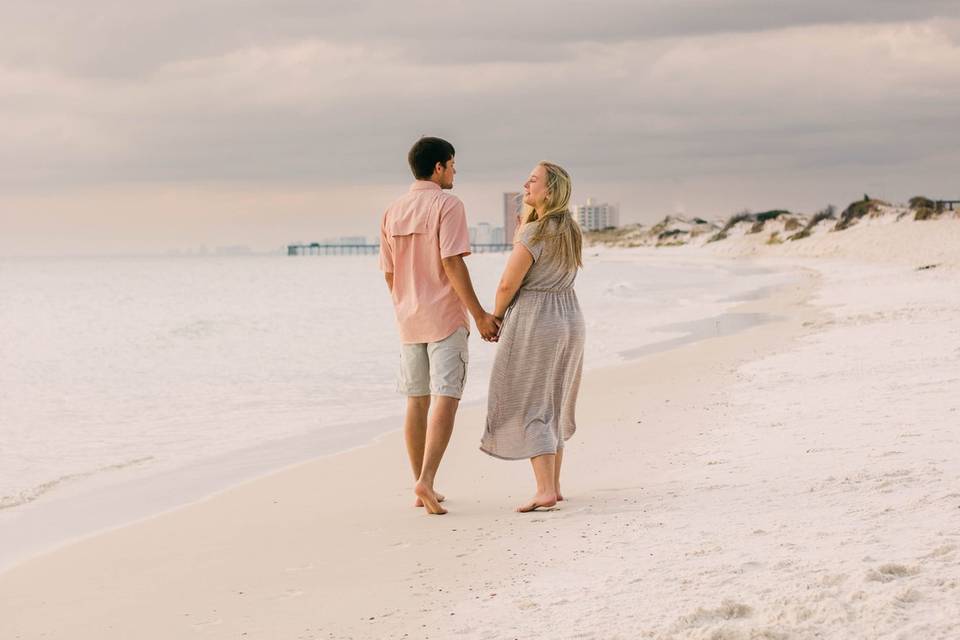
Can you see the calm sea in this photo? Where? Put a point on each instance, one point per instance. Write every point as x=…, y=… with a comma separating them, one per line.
x=116, y=371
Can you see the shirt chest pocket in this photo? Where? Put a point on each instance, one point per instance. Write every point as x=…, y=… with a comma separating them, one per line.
x=408, y=226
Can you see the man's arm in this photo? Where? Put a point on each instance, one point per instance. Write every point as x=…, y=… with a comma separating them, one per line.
x=456, y=270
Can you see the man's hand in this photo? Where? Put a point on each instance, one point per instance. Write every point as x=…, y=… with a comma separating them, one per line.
x=488, y=325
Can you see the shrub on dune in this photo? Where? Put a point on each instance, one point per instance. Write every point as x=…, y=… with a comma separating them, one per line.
x=829, y=213
x=743, y=216
x=762, y=218
x=858, y=210
x=925, y=208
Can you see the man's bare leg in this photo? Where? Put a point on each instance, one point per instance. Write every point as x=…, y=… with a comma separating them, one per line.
x=415, y=434
x=439, y=430
x=556, y=474
x=544, y=468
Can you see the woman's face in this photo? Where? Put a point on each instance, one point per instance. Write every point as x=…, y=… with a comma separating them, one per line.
x=535, y=188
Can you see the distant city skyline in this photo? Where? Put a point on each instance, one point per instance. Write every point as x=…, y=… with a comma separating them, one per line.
x=593, y=215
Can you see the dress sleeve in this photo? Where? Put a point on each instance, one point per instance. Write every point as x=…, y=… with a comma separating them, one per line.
x=535, y=248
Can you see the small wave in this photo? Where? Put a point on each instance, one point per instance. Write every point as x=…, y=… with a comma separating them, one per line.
x=29, y=495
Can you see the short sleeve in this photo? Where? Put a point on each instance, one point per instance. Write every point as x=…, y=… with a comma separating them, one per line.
x=525, y=238
x=454, y=236
x=386, y=249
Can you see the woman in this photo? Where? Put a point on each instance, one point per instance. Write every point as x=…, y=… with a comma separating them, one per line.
x=536, y=372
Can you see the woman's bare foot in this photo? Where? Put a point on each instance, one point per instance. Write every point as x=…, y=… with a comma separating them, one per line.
x=440, y=498
x=428, y=497
x=544, y=500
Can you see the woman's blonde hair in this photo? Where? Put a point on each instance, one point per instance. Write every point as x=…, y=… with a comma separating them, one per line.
x=562, y=238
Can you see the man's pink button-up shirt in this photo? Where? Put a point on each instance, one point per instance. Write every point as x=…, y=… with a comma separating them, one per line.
x=420, y=229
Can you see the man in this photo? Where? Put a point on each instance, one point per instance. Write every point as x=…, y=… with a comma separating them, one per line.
x=423, y=239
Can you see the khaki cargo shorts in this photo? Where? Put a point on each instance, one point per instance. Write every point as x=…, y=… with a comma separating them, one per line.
x=434, y=368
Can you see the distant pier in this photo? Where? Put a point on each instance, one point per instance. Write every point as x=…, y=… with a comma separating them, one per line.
x=943, y=205
x=318, y=249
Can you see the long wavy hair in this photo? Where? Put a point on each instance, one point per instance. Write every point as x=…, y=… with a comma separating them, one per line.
x=555, y=224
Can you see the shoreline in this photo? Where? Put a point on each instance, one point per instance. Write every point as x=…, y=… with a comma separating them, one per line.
x=74, y=513
x=255, y=508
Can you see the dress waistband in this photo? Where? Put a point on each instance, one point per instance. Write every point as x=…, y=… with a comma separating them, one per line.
x=556, y=290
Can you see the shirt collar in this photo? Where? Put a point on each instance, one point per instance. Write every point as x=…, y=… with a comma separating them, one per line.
x=424, y=185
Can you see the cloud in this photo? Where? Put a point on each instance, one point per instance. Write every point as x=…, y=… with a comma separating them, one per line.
x=106, y=38
x=292, y=94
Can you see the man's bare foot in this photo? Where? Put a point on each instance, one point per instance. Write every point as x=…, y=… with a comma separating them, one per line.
x=544, y=500
x=428, y=497
x=440, y=498
x=560, y=497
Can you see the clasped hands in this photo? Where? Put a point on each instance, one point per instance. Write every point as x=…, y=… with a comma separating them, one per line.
x=489, y=326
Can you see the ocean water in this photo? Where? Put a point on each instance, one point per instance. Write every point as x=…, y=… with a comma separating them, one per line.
x=117, y=370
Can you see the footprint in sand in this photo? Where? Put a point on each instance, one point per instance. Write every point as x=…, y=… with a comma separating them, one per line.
x=834, y=580
x=907, y=598
x=728, y=610
x=890, y=572
x=207, y=623
x=940, y=552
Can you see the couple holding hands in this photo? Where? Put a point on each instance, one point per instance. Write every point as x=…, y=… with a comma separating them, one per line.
x=536, y=322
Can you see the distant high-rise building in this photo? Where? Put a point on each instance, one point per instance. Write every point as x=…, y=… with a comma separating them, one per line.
x=512, y=208
x=597, y=215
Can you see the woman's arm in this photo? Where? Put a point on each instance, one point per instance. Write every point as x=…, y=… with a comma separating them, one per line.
x=518, y=264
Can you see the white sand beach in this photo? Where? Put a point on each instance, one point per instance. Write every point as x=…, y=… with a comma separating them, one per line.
x=799, y=479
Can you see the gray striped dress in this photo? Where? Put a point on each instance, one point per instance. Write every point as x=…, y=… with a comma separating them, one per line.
x=536, y=372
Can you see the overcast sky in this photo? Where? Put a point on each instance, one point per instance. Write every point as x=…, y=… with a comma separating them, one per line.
x=143, y=126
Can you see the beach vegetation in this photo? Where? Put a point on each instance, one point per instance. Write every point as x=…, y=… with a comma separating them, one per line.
x=827, y=213
x=925, y=208
x=670, y=233
x=857, y=210
x=734, y=220
x=771, y=215
x=671, y=237
x=760, y=219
